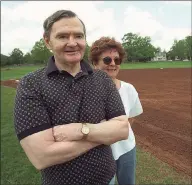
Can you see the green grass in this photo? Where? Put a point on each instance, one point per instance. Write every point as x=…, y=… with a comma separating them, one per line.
x=18, y=72
x=16, y=168
x=151, y=65
x=150, y=170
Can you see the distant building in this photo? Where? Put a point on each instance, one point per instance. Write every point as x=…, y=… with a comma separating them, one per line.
x=160, y=56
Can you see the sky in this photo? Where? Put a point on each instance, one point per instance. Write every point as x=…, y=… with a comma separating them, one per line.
x=163, y=21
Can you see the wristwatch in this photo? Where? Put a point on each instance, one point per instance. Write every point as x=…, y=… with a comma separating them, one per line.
x=85, y=130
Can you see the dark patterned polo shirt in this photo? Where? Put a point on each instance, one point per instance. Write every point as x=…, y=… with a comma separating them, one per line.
x=49, y=97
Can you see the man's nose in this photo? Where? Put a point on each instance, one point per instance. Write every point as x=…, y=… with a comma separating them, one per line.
x=72, y=41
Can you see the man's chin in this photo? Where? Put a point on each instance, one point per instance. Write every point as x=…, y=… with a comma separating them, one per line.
x=73, y=60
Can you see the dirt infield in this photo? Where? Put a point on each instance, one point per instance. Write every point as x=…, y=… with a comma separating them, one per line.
x=10, y=83
x=164, y=128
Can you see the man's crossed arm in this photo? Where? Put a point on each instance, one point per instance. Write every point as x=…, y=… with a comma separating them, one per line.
x=43, y=150
x=106, y=132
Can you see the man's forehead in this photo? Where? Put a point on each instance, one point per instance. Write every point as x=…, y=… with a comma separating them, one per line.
x=68, y=24
x=69, y=32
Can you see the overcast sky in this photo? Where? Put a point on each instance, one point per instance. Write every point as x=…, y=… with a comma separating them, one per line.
x=163, y=21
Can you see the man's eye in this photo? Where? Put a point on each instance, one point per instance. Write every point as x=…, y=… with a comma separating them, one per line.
x=62, y=37
x=79, y=36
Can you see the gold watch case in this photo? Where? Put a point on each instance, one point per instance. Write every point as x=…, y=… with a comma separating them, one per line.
x=85, y=129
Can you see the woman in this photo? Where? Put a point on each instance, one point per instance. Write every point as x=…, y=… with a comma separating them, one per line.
x=107, y=54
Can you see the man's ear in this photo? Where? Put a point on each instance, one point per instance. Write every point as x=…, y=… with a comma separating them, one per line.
x=47, y=41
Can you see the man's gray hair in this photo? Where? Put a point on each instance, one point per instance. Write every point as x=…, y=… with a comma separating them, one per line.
x=48, y=23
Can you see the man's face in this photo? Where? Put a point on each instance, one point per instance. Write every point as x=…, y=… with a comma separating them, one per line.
x=112, y=69
x=67, y=40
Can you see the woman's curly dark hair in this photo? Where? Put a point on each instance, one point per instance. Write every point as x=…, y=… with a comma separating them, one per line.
x=103, y=44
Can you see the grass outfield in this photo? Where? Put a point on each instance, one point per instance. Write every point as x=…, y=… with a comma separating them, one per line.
x=16, y=168
x=17, y=72
x=149, y=65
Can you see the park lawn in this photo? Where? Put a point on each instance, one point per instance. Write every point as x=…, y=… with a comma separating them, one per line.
x=10, y=72
x=16, y=168
x=18, y=72
x=151, y=65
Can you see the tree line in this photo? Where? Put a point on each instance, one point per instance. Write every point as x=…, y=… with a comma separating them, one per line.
x=138, y=49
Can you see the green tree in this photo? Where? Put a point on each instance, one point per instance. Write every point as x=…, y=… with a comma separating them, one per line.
x=188, y=47
x=172, y=52
x=16, y=57
x=28, y=58
x=181, y=49
x=5, y=60
x=138, y=48
x=130, y=45
x=158, y=49
x=86, y=55
x=39, y=52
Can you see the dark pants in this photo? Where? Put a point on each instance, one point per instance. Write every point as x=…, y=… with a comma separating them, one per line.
x=126, y=167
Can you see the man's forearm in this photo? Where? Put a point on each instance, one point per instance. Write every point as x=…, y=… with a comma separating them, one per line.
x=109, y=132
x=61, y=152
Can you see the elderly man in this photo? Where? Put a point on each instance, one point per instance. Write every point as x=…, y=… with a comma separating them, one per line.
x=68, y=95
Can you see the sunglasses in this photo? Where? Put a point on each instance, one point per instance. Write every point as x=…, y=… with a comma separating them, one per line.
x=108, y=60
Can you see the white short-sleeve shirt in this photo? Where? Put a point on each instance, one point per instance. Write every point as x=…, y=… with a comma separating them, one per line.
x=133, y=108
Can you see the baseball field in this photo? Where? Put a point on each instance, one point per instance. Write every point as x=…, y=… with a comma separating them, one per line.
x=163, y=132
x=164, y=128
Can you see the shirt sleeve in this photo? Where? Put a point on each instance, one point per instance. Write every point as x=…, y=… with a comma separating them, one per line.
x=114, y=104
x=137, y=108
x=30, y=115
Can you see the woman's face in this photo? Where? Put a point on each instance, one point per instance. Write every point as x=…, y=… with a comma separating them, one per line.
x=109, y=61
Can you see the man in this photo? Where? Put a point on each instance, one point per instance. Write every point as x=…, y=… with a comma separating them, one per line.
x=68, y=92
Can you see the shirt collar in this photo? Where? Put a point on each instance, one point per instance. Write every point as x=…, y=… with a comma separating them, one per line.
x=51, y=67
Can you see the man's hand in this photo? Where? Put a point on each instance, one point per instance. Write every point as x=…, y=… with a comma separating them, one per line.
x=69, y=132
x=109, y=132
